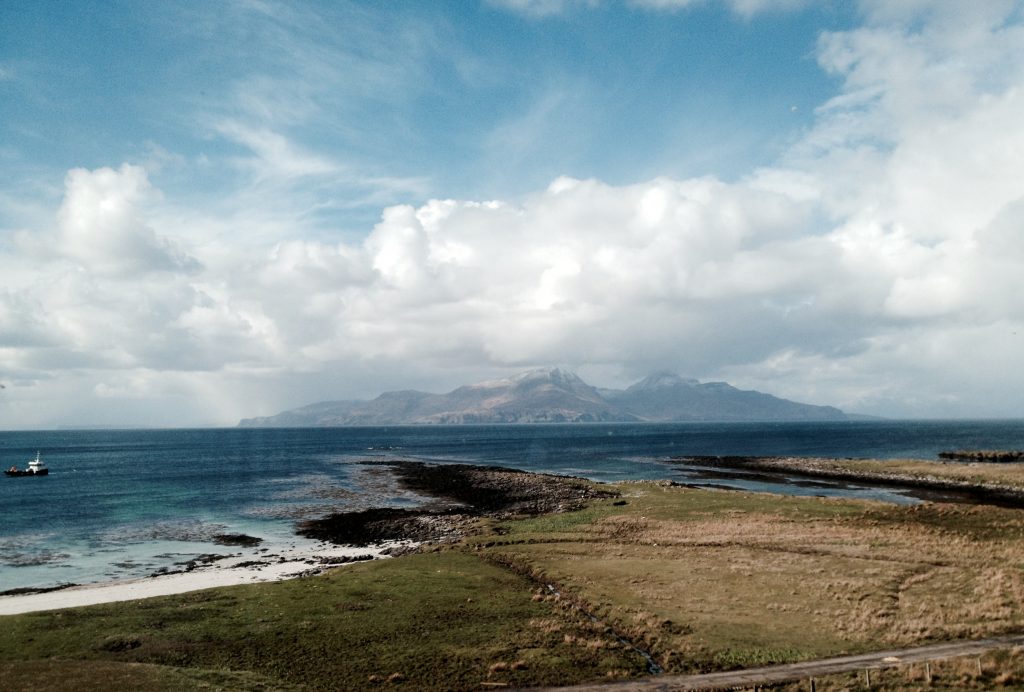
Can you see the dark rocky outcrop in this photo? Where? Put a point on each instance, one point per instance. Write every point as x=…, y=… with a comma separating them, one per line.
x=461, y=493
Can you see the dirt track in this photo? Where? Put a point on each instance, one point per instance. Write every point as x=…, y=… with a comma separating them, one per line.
x=800, y=671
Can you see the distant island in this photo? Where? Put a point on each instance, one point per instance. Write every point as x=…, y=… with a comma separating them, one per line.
x=553, y=395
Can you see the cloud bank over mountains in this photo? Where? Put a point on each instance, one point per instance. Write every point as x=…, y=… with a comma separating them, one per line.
x=875, y=266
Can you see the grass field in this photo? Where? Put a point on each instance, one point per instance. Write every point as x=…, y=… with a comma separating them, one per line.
x=712, y=580
x=991, y=475
x=436, y=621
x=981, y=473
x=703, y=580
x=997, y=670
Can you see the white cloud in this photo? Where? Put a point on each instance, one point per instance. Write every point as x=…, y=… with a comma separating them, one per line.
x=509, y=284
x=548, y=8
x=100, y=226
x=749, y=8
x=274, y=156
x=744, y=8
x=877, y=266
x=542, y=8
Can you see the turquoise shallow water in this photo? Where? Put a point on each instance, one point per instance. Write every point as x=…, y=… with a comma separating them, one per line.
x=126, y=503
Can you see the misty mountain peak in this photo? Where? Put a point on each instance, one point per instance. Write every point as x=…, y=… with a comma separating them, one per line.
x=661, y=380
x=556, y=376
x=537, y=376
x=554, y=395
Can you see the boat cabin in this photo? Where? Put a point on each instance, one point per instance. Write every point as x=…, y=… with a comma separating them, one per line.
x=36, y=467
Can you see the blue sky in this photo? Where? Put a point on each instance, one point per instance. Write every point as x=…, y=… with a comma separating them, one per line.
x=217, y=210
x=460, y=99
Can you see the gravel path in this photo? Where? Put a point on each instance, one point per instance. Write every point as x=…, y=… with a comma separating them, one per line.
x=751, y=677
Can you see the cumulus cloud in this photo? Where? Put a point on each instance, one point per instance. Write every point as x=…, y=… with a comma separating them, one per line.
x=878, y=229
x=100, y=226
x=876, y=266
x=102, y=292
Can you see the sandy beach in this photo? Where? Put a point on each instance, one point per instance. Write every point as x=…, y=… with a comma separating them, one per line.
x=247, y=567
x=461, y=493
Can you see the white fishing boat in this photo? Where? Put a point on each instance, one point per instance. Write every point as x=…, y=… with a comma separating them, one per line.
x=36, y=467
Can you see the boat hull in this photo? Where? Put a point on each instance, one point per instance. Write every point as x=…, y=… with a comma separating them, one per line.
x=44, y=472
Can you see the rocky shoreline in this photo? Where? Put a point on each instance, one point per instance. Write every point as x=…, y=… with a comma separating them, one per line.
x=460, y=494
x=925, y=487
x=455, y=497
x=995, y=456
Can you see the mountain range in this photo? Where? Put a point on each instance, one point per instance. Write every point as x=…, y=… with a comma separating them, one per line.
x=554, y=395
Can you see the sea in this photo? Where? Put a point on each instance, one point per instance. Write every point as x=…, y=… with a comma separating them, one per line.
x=130, y=503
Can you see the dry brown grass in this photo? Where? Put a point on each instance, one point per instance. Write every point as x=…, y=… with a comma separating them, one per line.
x=998, y=670
x=715, y=580
x=981, y=473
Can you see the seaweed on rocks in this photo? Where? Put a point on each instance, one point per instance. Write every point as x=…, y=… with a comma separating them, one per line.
x=344, y=559
x=377, y=525
x=463, y=493
x=24, y=590
x=996, y=456
x=929, y=489
x=239, y=539
x=496, y=491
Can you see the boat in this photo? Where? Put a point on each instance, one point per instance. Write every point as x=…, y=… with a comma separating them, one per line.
x=36, y=467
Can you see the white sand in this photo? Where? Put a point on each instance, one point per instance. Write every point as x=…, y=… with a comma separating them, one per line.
x=284, y=563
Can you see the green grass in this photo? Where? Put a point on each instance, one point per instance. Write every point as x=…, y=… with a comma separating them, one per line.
x=103, y=676
x=704, y=580
x=756, y=656
x=436, y=621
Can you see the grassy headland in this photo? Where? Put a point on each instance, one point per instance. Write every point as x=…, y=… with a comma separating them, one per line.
x=518, y=591
x=974, y=481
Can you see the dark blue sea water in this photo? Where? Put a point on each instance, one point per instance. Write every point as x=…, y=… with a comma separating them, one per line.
x=125, y=503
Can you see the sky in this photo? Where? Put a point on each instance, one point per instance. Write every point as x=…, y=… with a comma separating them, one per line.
x=211, y=211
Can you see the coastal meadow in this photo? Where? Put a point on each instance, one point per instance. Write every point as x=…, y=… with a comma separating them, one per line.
x=550, y=581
